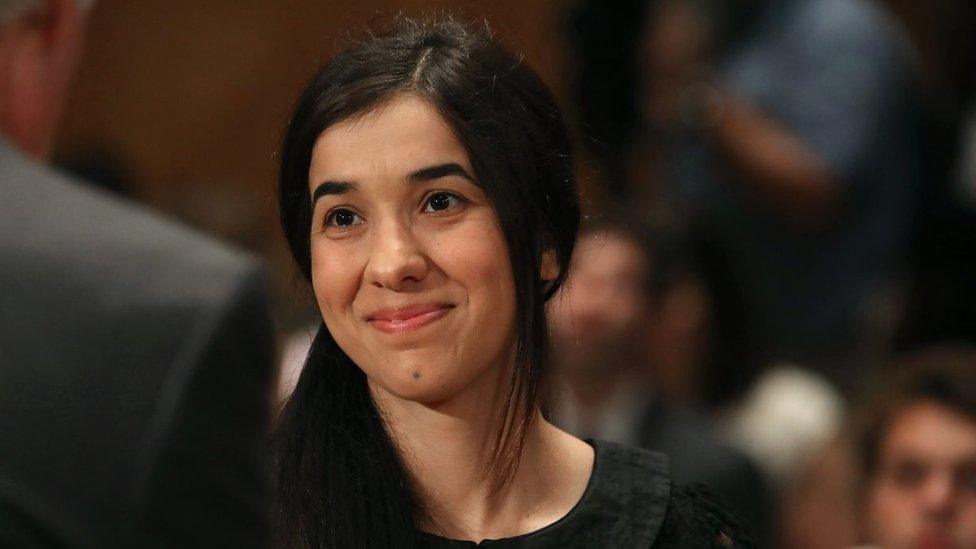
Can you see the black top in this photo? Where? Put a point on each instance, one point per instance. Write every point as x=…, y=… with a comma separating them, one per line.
x=629, y=502
x=624, y=505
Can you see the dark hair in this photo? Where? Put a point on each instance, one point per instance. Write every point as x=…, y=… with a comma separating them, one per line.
x=944, y=375
x=340, y=478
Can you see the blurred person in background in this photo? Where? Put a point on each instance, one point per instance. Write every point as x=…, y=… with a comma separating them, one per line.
x=135, y=355
x=784, y=139
x=918, y=457
x=607, y=323
x=903, y=474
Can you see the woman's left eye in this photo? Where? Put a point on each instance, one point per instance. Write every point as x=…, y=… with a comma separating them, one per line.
x=441, y=201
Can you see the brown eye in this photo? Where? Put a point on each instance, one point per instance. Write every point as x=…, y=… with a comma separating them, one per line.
x=343, y=218
x=441, y=201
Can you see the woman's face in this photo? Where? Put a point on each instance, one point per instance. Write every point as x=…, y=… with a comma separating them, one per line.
x=409, y=264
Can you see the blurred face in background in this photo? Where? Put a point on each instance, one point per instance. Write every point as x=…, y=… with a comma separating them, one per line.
x=39, y=48
x=597, y=316
x=409, y=264
x=923, y=493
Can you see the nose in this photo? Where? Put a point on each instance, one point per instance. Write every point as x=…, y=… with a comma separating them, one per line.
x=938, y=495
x=396, y=260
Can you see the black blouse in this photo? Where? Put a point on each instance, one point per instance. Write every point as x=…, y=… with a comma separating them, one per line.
x=628, y=502
x=624, y=505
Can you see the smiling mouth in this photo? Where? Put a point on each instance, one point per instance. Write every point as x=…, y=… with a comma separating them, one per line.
x=410, y=319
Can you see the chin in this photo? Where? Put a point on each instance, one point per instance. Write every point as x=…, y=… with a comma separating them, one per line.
x=421, y=391
x=413, y=380
x=420, y=382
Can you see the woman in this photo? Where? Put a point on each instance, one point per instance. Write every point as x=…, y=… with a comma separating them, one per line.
x=427, y=193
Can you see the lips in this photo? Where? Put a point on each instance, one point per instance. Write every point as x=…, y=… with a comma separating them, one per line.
x=407, y=319
x=933, y=540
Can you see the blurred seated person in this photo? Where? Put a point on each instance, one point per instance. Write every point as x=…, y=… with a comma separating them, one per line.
x=603, y=332
x=904, y=476
x=135, y=355
x=782, y=133
x=918, y=455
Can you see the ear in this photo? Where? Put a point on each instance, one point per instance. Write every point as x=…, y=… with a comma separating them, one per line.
x=40, y=50
x=549, y=268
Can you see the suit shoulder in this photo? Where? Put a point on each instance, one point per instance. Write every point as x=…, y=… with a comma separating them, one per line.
x=54, y=225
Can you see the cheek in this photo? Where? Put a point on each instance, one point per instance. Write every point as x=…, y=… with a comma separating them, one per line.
x=334, y=280
x=481, y=264
x=623, y=313
x=475, y=257
x=967, y=522
x=892, y=518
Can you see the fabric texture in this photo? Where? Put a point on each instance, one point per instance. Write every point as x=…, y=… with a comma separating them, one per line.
x=697, y=455
x=135, y=367
x=623, y=506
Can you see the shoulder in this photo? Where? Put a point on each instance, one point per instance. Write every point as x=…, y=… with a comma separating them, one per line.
x=103, y=297
x=688, y=437
x=841, y=15
x=699, y=455
x=632, y=473
x=55, y=227
x=636, y=484
x=859, y=26
x=130, y=321
x=697, y=518
x=662, y=514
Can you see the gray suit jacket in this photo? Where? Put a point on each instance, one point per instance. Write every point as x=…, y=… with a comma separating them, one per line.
x=135, y=364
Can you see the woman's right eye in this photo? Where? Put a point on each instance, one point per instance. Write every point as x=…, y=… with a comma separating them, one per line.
x=343, y=218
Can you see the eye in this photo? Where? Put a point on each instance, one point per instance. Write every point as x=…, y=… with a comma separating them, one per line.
x=441, y=201
x=343, y=218
x=908, y=474
x=966, y=477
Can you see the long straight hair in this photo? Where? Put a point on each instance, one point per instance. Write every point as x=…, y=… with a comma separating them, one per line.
x=341, y=481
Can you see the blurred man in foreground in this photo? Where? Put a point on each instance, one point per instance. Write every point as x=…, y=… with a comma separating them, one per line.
x=135, y=356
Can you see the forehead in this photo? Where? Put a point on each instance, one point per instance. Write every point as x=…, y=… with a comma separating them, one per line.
x=929, y=430
x=399, y=136
x=607, y=253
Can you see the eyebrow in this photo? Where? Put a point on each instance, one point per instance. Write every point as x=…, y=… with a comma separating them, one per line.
x=438, y=171
x=331, y=187
x=424, y=174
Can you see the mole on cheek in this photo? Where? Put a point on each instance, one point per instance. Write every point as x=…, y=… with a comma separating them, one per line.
x=416, y=375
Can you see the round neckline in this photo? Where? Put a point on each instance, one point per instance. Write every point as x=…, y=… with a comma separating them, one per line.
x=574, y=510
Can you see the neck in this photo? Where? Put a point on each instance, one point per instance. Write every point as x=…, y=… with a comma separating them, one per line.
x=446, y=449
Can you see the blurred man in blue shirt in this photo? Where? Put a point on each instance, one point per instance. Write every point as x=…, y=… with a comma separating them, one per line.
x=786, y=136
